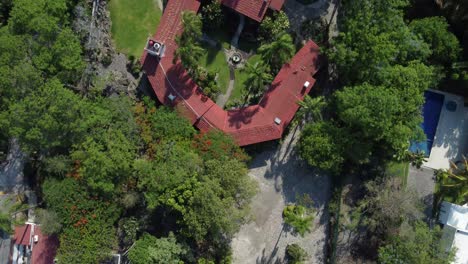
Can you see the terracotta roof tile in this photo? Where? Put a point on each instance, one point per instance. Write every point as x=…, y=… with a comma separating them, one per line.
x=254, y=9
x=276, y=5
x=247, y=125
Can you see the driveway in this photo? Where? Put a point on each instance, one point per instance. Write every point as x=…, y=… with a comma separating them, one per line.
x=281, y=176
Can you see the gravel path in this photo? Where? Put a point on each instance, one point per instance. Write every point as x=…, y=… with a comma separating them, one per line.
x=423, y=182
x=281, y=176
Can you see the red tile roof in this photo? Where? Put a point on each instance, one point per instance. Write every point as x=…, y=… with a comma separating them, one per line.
x=276, y=4
x=254, y=9
x=44, y=250
x=247, y=125
x=22, y=235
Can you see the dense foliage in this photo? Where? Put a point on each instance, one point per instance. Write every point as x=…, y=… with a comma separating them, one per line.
x=189, y=52
x=435, y=32
x=149, y=249
x=273, y=26
x=212, y=15
x=114, y=170
x=296, y=254
x=418, y=245
x=381, y=63
x=454, y=182
x=277, y=52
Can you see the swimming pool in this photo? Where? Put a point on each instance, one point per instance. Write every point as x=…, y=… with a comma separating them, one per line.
x=431, y=113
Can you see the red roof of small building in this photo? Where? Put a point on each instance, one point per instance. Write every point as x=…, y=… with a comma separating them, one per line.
x=248, y=125
x=22, y=235
x=276, y=5
x=255, y=9
x=44, y=250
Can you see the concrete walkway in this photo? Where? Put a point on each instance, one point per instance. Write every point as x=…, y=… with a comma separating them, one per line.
x=281, y=176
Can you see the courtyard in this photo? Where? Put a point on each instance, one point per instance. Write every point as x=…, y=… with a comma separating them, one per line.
x=282, y=176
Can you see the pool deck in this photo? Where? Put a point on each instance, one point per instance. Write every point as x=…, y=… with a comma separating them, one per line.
x=451, y=138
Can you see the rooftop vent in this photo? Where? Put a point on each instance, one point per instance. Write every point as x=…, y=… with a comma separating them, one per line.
x=306, y=84
x=36, y=238
x=155, y=48
x=277, y=121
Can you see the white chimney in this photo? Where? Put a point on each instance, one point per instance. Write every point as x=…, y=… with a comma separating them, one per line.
x=306, y=84
x=277, y=121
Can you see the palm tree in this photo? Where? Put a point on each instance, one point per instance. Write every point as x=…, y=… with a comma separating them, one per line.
x=192, y=27
x=258, y=77
x=311, y=108
x=278, y=52
x=456, y=180
x=189, y=54
x=189, y=51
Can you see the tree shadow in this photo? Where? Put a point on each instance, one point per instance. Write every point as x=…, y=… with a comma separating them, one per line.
x=271, y=258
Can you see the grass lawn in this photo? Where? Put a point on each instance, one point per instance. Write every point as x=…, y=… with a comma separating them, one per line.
x=241, y=77
x=214, y=60
x=398, y=169
x=132, y=23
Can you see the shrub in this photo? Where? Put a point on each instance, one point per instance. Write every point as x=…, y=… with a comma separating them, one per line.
x=298, y=217
x=296, y=254
x=272, y=27
x=107, y=60
x=465, y=76
x=455, y=76
x=5, y=223
x=315, y=29
x=50, y=222
x=206, y=80
x=212, y=15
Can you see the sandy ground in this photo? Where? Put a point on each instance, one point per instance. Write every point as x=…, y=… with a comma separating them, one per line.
x=423, y=182
x=298, y=13
x=281, y=176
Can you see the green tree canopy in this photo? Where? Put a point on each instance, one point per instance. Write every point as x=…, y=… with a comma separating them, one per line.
x=149, y=249
x=419, y=245
x=257, y=77
x=454, y=181
x=273, y=26
x=435, y=32
x=47, y=118
x=322, y=146
x=378, y=118
x=374, y=36
x=88, y=222
x=278, y=52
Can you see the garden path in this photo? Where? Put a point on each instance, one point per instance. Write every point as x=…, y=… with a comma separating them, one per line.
x=223, y=98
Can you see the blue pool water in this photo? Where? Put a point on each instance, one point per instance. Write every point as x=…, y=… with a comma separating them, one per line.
x=431, y=114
